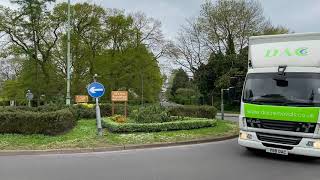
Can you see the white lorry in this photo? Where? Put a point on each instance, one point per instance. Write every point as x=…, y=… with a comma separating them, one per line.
x=281, y=95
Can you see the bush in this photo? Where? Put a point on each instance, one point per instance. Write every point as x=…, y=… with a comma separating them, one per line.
x=156, y=127
x=119, y=119
x=194, y=111
x=186, y=96
x=31, y=122
x=89, y=112
x=150, y=114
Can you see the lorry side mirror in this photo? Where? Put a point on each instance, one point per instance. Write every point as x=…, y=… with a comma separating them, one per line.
x=232, y=93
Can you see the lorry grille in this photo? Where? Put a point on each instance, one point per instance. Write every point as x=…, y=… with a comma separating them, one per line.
x=281, y=139
x=282, y=125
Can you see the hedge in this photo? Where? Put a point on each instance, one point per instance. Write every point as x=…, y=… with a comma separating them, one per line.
x=31, y=122
x=193, y=111
x=83, y=112
x=157, y=127
x=79, y=111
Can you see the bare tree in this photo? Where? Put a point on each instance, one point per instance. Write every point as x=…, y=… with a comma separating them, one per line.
x=10, y=68
x=229, y=23
x=190, y=49
x=148, y=32
x=222, y=27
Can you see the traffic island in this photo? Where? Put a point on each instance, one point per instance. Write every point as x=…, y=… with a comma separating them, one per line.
x=83, y=139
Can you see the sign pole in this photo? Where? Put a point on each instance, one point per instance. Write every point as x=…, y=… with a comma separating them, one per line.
x=222, y=105
x=97, y=90
x=29, y=97
x=98, y=115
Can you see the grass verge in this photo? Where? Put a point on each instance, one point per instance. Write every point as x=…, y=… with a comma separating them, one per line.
x=84, y=136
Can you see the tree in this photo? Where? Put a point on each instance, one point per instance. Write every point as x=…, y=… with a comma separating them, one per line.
x=190, y=50
x=186, y=96
x=214, y=45
x=9, y=68
x=32, y=32
x=273, y=30
x=122, y=49
x=180, y=80
x=229, y=23
x=135, y=70
x=147, y=31
x=88, y=40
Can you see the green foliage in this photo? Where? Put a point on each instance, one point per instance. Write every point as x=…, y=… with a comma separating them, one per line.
x=29, y=122
x=150, y=114
x=215, y=75
x=84, y=135
x=118, y=118
x=193, y=111
x=128, y=70
x=273, y=30
x=103, y=41
x=156, y=127
x=180, y=80
x=186, y=96
x=85, y=112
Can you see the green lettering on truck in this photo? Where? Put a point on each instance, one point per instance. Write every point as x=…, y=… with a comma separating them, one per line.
x=283, y=113
x=269, y=53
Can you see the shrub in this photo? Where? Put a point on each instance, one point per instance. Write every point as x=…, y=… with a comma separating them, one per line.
x=119, y=118
x=31, y=122
x=193, y=111
x=156, y=127
x=83, y=111
x=150, y=114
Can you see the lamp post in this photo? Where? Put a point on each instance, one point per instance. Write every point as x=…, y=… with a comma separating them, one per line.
x=222, y=104
x=68, y=97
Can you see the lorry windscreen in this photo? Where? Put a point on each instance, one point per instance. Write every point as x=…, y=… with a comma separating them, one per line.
x=298, y=89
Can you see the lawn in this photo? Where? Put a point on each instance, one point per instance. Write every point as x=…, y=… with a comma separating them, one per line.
x=84, y=136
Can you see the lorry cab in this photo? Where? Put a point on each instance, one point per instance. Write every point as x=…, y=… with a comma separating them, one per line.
x=280, y=100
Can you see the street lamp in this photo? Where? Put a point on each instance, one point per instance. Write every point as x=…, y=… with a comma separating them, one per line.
x=68, y=97
x=222, y=104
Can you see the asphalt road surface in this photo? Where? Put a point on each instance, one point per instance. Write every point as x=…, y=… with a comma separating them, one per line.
x=230, y=117
x=212, y=161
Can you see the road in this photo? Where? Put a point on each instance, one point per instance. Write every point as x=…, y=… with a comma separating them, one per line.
x=212, y=161
x=227, y=116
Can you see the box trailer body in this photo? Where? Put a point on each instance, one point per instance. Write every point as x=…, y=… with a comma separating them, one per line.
x=280, y=101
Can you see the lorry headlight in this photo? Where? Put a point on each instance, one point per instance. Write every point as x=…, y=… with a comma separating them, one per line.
x=245, y=136
x=316, y=144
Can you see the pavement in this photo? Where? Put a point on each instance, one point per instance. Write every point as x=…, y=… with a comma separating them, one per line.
x=223, y=160
x=229, y=116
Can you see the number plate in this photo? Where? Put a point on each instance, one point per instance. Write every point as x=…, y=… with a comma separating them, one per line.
x=277, y=151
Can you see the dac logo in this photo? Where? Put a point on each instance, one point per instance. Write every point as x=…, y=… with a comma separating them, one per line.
x=286, y=52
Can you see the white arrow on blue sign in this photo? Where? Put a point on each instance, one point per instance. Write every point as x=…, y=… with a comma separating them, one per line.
x=96, y=90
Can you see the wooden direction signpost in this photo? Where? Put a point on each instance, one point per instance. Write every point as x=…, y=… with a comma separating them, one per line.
x=119, y=96
x=81, y=99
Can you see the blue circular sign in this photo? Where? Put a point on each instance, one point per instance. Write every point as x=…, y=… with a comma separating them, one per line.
x=96, y=90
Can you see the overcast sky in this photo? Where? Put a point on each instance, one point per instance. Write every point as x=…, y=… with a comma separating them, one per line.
x=297, y=15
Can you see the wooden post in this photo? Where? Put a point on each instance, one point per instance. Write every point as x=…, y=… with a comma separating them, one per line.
x=125, y=109
x=112, y=108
